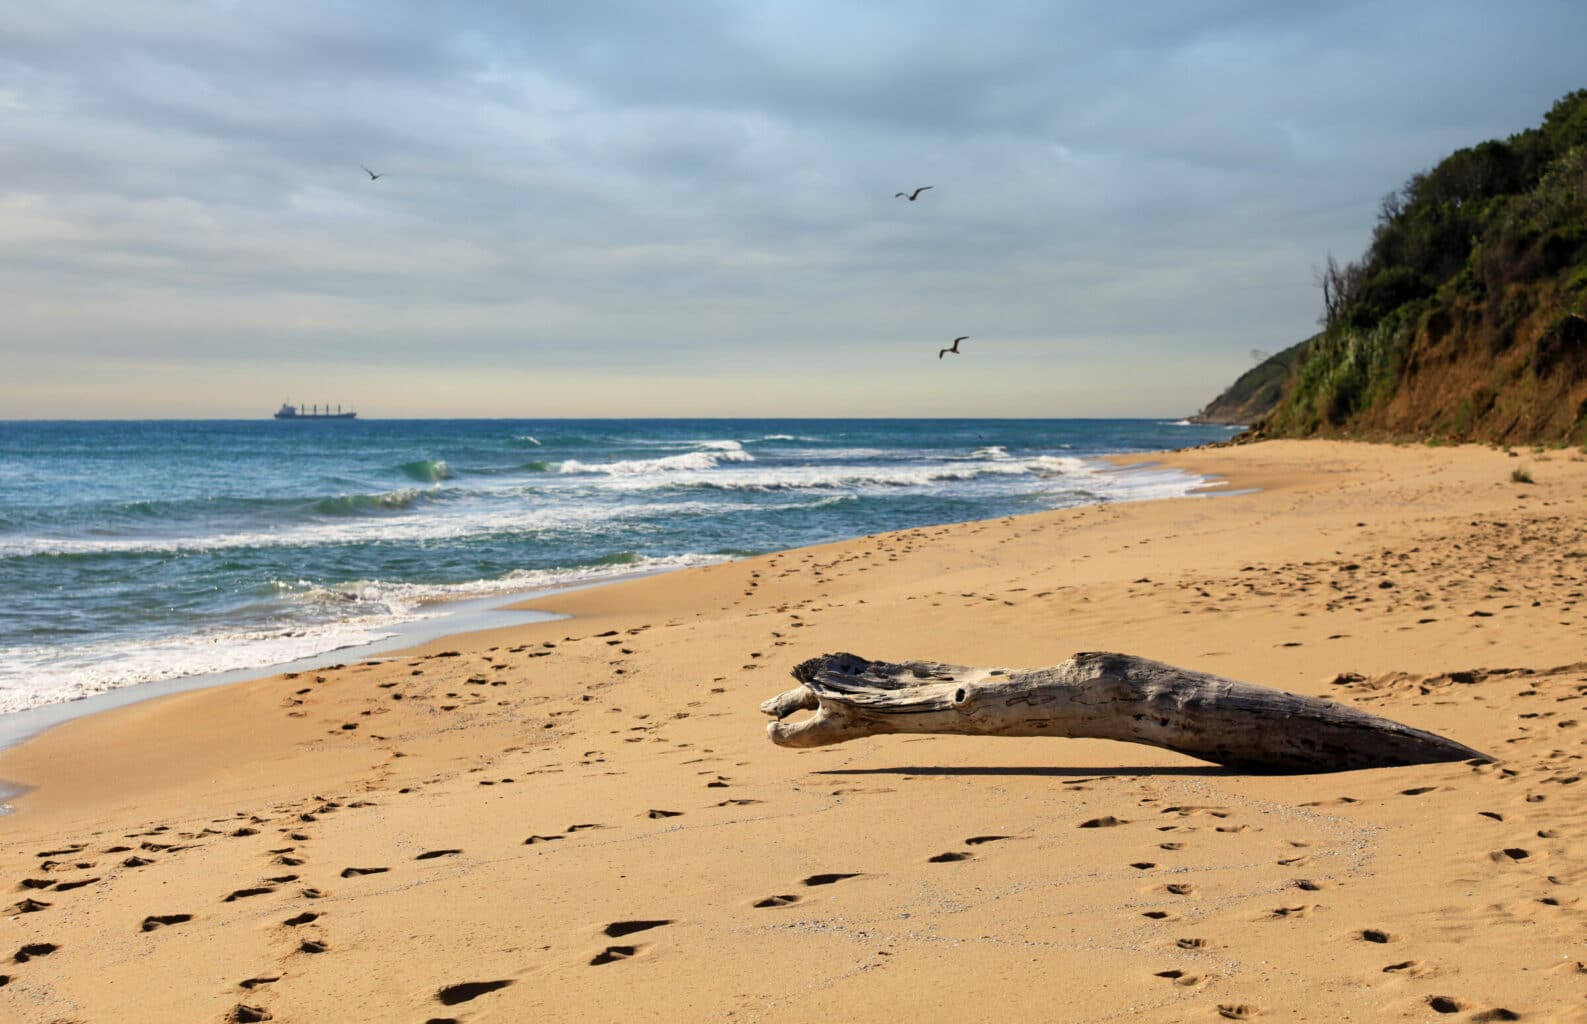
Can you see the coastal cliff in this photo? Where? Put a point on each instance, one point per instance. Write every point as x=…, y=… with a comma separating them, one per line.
x=1466, y=318
x=1256, y=392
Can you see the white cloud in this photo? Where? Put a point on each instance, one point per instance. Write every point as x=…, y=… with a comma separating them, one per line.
x=673, y=189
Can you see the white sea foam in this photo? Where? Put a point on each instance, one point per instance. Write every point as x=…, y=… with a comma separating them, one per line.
x=567, y=517
x=366, y=611
x=823, y=477
x=710, y=455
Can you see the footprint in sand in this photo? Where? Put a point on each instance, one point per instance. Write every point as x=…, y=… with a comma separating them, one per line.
x=34, y=949
x=154, y=921
x=1513, y=853
x=313, y=946
x=307, y=917
x=1160, y=915
x=617, y=929
x=1379, y=935
x=242, y=1013
x=979, y=840
x=240, y=894
x=1192, y=810
x=951, y=857
x=31, y=906
x=451, y=995
x=542, y=839
x=1181, y=888
x=1495, y=1014
x=1292, y=913
x=776, y=901
x=1239, y=1011
x=653, y=813
x=1180, y=978
x=252, y=983
x=432, y=854
x=829, y=878
x=1192, y=943
x=1107, y=821
x=1446, y=1004
x=1409, y=968
x=612, y=954
x=355, y=872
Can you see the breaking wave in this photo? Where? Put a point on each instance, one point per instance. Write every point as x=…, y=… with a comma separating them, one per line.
x=427, y=471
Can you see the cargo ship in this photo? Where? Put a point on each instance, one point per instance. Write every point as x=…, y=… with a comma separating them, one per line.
x=313, y=412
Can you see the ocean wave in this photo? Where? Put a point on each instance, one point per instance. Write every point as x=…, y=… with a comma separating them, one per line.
x=364, y=504
x=502, y=519
x=318, y=619
x=704, y=459
x=806, y=477
x=519, y=467
x=427, y=471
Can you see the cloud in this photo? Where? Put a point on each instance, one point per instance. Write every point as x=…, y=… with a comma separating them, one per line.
x=674, y=188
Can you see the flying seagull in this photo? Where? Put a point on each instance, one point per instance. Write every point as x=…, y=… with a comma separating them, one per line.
x=954, y=348
x=372, y=175
x=911, y=196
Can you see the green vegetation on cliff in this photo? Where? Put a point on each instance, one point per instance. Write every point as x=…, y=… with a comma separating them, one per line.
x=1466, y=318
x=1255, y=392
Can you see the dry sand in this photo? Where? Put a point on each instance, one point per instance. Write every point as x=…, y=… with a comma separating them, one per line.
x=583, y=819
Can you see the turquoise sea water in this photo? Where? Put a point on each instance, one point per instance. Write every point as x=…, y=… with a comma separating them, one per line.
x=137, y=551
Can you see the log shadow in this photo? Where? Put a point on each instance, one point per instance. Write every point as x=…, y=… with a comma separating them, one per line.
x=1200, y=770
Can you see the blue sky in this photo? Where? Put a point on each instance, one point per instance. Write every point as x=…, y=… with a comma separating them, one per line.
x=627, y=207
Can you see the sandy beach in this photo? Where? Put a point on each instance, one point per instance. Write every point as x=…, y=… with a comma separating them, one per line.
x=584, y=819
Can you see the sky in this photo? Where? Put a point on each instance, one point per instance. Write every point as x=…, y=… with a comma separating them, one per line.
x=667, y=208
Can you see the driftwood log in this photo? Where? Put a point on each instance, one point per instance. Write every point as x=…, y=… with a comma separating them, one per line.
x=1100, y=696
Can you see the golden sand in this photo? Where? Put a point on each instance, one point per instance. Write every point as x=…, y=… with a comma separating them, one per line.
x=584, y=820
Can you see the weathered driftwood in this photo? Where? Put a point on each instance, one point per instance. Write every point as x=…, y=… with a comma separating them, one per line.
x=1100, y=696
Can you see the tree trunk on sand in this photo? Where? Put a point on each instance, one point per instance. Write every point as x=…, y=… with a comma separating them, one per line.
x=1099, y=696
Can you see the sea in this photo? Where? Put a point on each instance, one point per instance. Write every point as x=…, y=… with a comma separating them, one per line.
x=135, y=552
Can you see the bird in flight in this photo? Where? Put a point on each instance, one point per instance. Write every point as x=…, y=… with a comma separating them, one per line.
x=954, y=348
x=372, y=175
x=911, y=196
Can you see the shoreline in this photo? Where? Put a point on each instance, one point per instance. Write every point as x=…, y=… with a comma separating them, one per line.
x=18, y=727
x=583, y=818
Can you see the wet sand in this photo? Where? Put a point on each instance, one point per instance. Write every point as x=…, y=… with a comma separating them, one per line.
x=584, y=820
